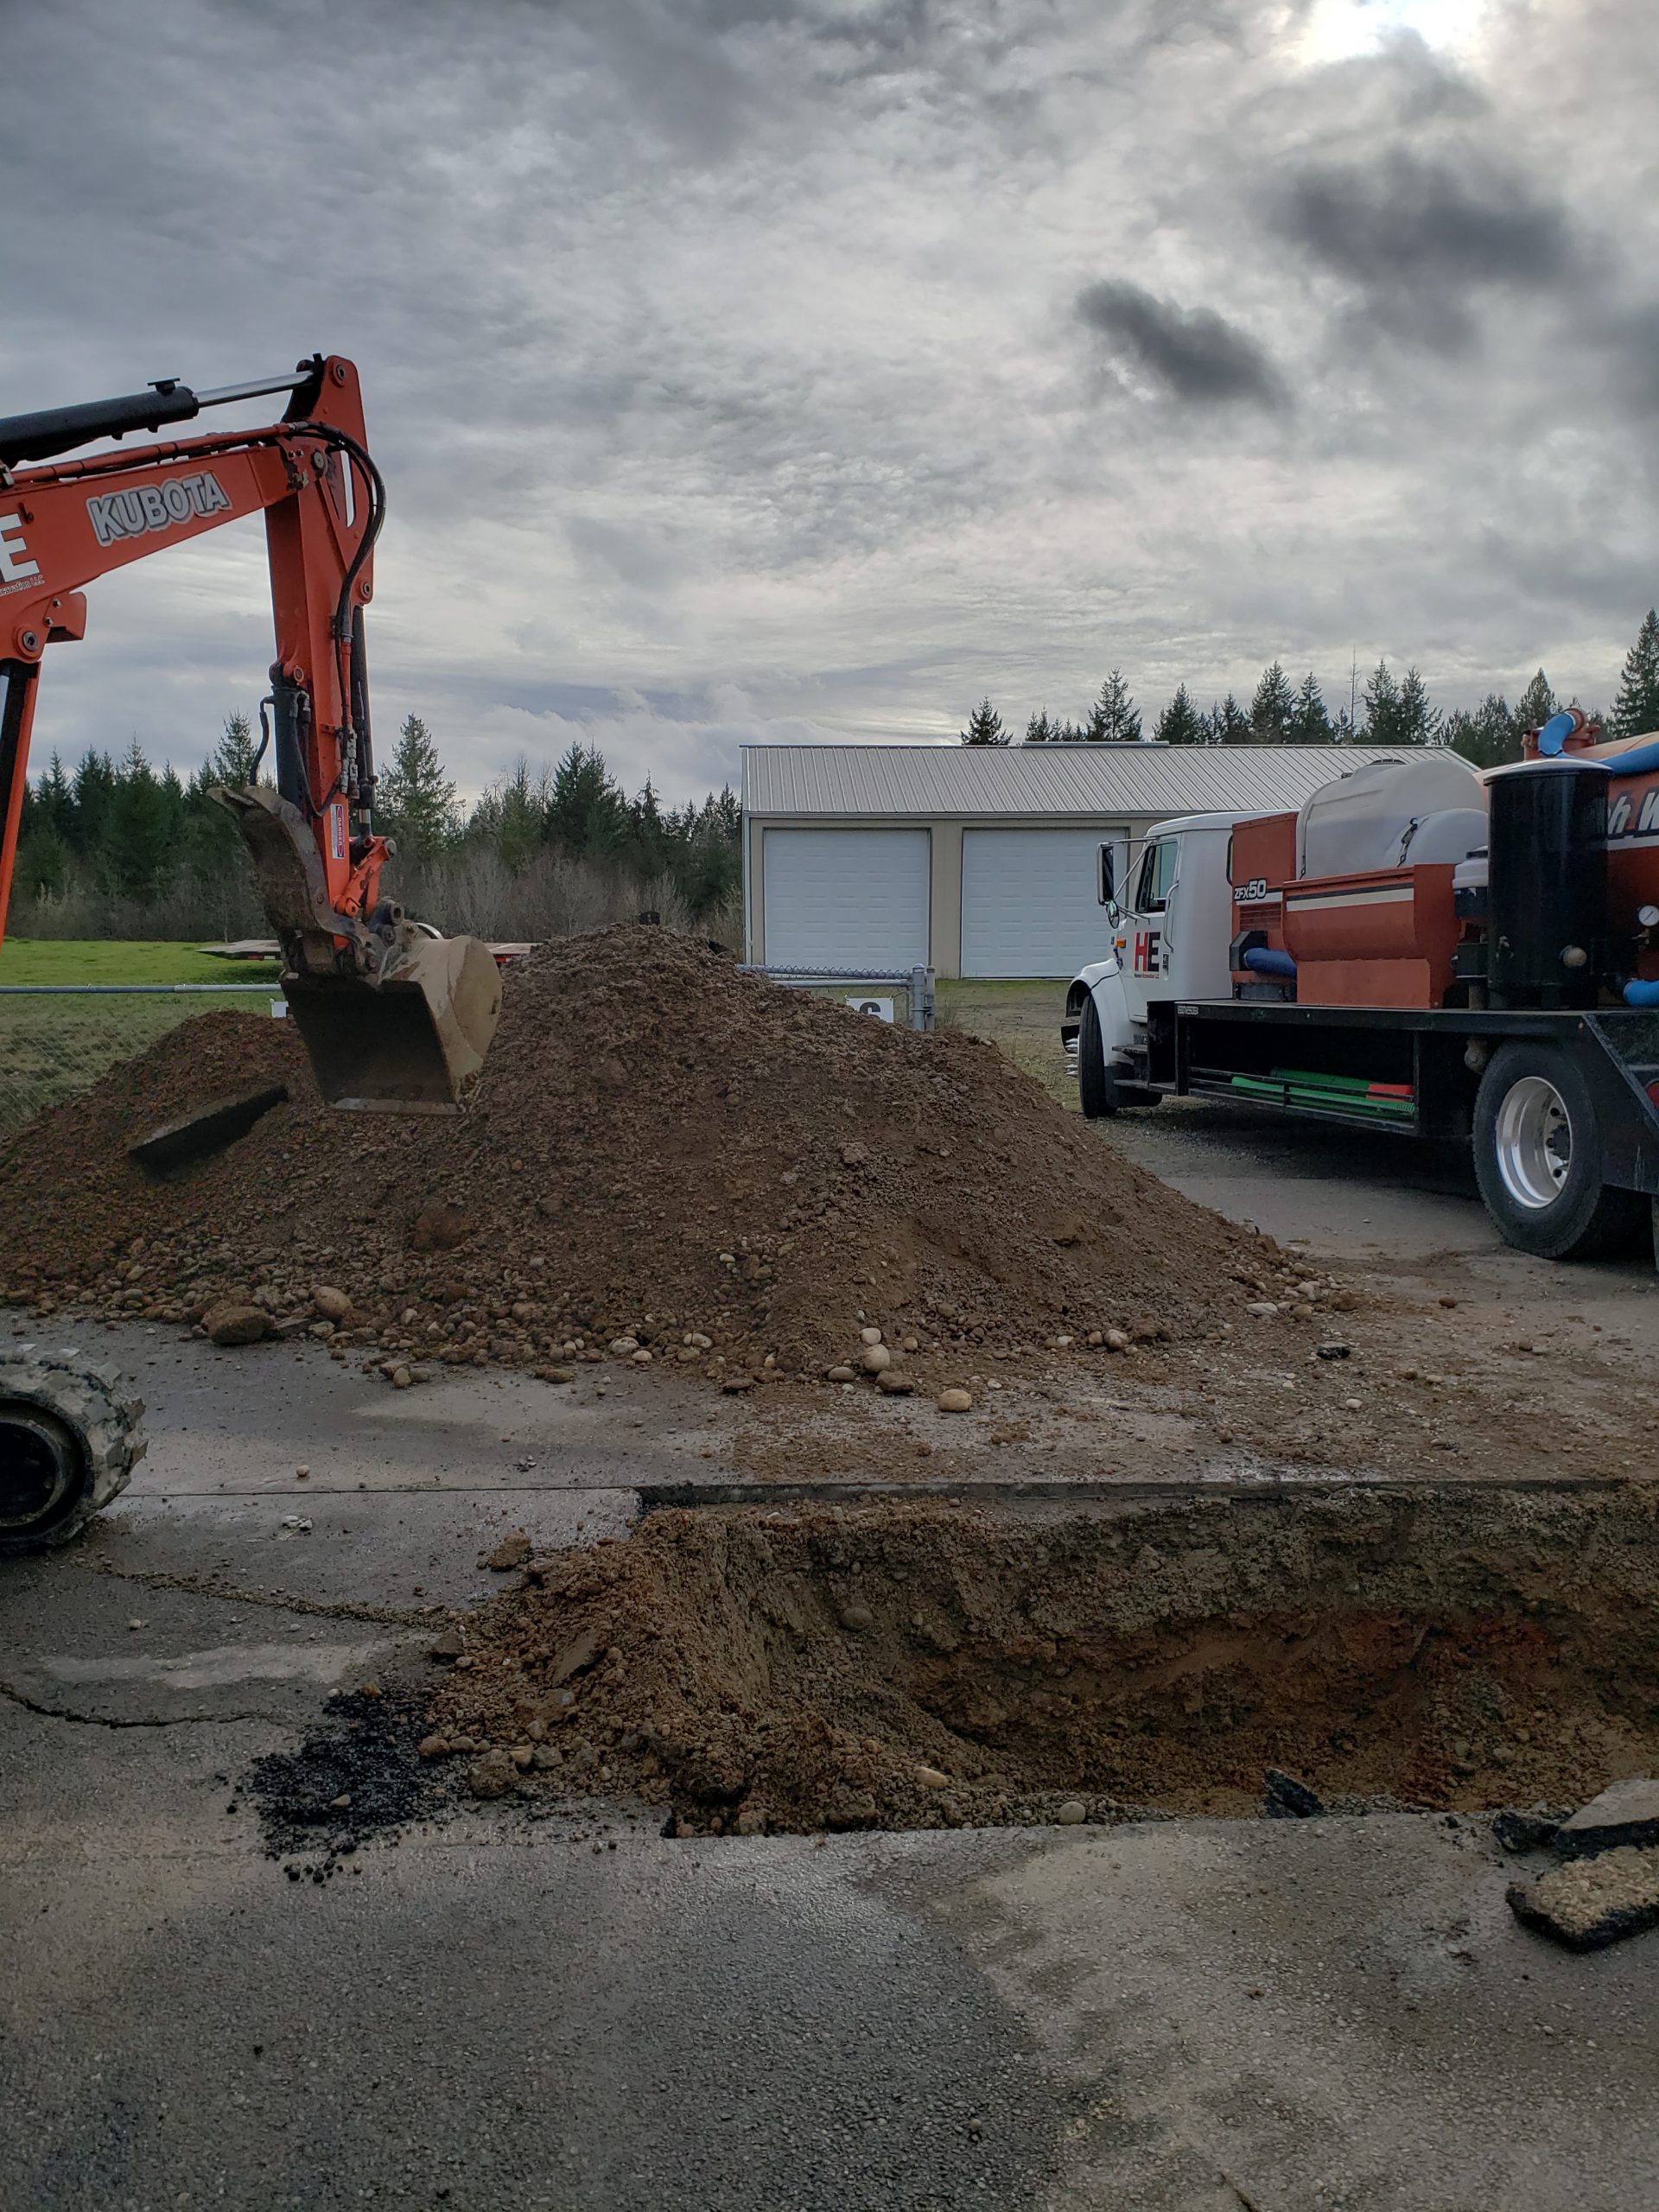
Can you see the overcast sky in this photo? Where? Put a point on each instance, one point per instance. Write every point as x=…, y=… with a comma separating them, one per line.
x=805, y=368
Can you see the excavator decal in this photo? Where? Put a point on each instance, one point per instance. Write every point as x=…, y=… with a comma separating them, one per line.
x=157, y=506
x=16, y=569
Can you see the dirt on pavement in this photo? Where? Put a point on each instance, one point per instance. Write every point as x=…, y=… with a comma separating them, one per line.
x=899, y=1665
x=669, y=1164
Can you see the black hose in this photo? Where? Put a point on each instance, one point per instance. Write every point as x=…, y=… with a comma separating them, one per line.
x=348, y=633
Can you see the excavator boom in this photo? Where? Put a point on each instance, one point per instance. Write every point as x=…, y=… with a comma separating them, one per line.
x=395, y=1019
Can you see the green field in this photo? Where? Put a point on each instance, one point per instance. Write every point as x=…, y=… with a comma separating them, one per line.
x=52, y=1046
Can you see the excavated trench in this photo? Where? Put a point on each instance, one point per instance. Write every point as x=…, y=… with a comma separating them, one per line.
x=904, y=1666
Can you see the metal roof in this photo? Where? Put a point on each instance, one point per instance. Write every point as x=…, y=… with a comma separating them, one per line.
x=930, y=781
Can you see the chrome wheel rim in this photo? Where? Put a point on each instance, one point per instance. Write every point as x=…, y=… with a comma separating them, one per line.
x=1533, y=1142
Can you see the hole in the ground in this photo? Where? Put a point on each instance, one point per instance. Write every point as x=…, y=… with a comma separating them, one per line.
x=905, y=1666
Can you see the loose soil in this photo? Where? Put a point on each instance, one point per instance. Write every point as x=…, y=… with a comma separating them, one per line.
x=660, y=1147
x=669, y=1165
x=918, y=1666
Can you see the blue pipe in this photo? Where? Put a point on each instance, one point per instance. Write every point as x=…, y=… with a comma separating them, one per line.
x=1264, y=961
x=1641, y=760
x=1640, y=993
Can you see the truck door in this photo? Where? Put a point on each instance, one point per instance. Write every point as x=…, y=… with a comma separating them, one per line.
x=1151, y=912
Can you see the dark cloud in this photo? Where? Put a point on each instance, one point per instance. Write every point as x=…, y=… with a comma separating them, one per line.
x=709, y=346
x=1631, y=337
x=1195, y=354
x=1422, y=235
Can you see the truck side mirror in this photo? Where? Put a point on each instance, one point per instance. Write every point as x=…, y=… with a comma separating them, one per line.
x=1114, y=914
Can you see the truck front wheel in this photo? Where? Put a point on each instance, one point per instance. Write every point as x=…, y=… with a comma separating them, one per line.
x=1538, y=1156
x=1096, y=1091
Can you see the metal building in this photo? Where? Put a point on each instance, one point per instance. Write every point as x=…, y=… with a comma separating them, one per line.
x=974, y=860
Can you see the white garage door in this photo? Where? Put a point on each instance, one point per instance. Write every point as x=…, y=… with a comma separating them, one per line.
x=1030, y=901
x=846, y=898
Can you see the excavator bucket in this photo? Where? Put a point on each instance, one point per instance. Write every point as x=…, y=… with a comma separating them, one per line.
x=412, y=1042
x=408, y=1037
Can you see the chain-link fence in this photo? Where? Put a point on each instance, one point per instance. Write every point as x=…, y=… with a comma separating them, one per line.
x=903, y=995
x=56, y=1039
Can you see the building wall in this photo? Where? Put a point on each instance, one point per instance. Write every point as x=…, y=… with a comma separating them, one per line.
x=945, y=885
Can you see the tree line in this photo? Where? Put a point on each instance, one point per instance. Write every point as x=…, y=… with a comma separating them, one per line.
x=1387, y=711
x=116, y=847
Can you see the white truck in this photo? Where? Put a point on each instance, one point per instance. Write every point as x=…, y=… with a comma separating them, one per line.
x=1168, y=939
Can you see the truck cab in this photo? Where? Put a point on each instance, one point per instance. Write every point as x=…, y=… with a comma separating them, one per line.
x=1169, y=935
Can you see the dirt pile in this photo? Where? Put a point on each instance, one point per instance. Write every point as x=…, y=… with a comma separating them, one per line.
x=910, y=1666
x=661, y=1150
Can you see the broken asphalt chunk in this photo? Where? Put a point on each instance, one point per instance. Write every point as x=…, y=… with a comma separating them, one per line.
x=1625, y=1812
x=1288, y=1799
x=1590, y=1903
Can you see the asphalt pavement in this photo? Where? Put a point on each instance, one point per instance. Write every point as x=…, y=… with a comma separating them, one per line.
x=553, y=2006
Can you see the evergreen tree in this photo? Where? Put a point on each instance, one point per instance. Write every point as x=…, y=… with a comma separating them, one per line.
x=1537, y=703
x=1181, y=723
x=984, y=725
x=93, y=791
x=139, y=838
x=1038, y=730
x=41, y=868
x=414, y=800
x=1272, y=707
x=649, y=837
x=512, y=816
x=56, y=800
x=1383, y=723
x=707, y=863
x=586, y=813
x=1419, y=722
x=1309, y=722
x=1228, y=723
x=1489, y=737
x=229, y=765
x=1636, y=710
x=1113, y=719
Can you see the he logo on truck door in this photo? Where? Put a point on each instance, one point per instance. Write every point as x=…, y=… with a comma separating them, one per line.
x=1148, y=948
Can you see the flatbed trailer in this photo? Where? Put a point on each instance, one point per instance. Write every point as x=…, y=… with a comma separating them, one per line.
x=1572, y=1167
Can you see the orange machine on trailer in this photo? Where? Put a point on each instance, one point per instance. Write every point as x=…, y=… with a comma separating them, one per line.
x=1417, y=948
x=395, y=1017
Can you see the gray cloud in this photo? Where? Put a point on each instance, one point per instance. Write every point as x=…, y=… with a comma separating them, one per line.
x=1195, y=354
x=735, y=365
x=1422, y=234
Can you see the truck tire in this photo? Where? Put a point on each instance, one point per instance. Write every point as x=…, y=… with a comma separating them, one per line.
x=1097, y=1090
x=1538, y=1154
x=69, y=1442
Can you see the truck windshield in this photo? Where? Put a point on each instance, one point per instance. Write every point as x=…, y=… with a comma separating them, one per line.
x=1156, y=877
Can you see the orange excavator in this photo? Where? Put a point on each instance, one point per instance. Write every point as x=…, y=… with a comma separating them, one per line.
x=395, y=1018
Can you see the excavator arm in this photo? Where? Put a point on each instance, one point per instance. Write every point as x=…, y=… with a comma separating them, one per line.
x=394, y=1018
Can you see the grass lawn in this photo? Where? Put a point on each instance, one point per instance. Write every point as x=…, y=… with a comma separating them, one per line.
x=50, y=1047
x=118, y=960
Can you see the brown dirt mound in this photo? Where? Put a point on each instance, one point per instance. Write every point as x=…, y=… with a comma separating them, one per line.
x=796, y=1669
x=658, y=1144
